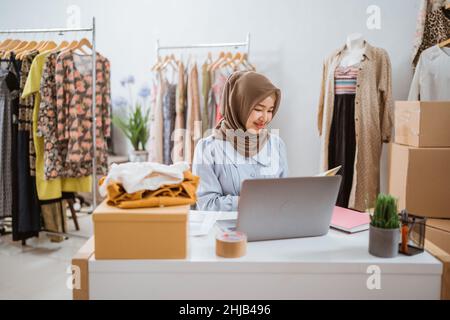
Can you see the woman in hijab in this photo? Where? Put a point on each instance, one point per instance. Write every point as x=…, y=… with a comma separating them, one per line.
x=240, y=147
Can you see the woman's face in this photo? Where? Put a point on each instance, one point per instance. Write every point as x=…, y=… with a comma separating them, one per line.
x=261, y=115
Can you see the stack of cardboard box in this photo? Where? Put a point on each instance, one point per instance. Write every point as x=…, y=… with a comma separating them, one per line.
x=419, y=171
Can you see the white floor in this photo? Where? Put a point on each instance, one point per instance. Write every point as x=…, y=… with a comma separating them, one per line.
x=39, y=270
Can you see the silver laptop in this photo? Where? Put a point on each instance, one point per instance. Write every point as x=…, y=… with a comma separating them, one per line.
x=283, y=208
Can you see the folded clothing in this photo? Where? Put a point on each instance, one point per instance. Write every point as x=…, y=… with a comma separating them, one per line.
x=177, y=194
x=137, y=176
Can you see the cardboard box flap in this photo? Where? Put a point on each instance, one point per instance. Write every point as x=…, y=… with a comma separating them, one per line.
x=407, y=118
x=105, y=208
x=422, y=123
x=151, y=217
x=105, y=212
x=441, y=224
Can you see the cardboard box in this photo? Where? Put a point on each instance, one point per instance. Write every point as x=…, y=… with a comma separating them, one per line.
x=420, y=179
x=80, y=271
x=437, y=242
x=444, y=257
x=147, y=233
x=422, y=123
x=438, y=232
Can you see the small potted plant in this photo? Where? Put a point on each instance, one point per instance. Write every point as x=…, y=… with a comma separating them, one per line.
x=135, y=128
x=384, y=231
x=135, y=122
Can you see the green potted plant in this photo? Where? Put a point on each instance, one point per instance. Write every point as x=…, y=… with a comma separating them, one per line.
x=133, y=120
x=384, y=231
x=135, y=128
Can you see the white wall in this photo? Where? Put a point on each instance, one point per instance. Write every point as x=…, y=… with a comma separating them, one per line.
x=290, y=39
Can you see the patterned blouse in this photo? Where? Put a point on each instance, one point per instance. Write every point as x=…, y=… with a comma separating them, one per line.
x=47, y=121
x=73, y=77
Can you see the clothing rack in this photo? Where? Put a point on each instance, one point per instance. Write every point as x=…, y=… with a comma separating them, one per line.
x=61, y=31
x=235, y=45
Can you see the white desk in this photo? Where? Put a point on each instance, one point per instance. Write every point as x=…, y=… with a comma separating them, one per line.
x=334, y=266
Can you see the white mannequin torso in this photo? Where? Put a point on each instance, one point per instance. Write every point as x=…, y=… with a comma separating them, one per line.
x=354, y=51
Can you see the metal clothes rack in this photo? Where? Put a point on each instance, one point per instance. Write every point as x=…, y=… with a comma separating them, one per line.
x=61, y=31
x=235, y=45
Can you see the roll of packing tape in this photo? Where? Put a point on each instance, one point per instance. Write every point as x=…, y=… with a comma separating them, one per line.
x=231, y=244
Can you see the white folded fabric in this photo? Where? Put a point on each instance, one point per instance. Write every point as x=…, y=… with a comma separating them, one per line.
x=136, y=176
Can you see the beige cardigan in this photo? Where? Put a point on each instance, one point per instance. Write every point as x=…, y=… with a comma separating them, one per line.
x=373, y=120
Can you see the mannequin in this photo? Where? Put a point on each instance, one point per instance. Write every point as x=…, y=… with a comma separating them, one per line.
x=354, y=50
x=342, y=142
x=356, y=91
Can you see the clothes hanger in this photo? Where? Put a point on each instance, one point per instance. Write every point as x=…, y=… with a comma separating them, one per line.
x=41, y=44
x=240, y=59
x=447, y=5
x=25, y=49
x=33, y=45
x=169, y=61
x=444, y=43
x=173, y=61
x=64, y=44
x=84, y=42
x=71, y=46
x=13, y=44
x=157, y=63
x=209, y=59
x=48, y=47
x=5, y=43
x=228, y=62
x=220, y=58
x=247, y=63
x=22, y=45
x=218, y=64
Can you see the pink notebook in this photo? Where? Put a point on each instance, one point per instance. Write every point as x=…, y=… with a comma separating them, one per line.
x=349, y=220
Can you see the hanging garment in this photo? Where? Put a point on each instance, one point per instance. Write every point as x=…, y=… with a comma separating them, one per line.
x=7, y=94
x=179, y=133
x=206, y=89
x=169, y=113
x=420, y=28
x=47, y=121
x=431, y=80
x=26, y=113
x=342, y=142
x=52, y=149
x=373, y=120
x=74, y=112
x=193, y=118
x=436, y=27
x=212, y=102
x=9, y=91
x=47, y=189
x=156, y=124
x=219, y=82
x=26, y=220
x=19, y=192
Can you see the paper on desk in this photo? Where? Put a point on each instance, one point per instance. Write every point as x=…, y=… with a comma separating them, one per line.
x=201, y=222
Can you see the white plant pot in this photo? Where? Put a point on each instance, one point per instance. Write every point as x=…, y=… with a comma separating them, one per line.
x=383, y=242
x=138, y=156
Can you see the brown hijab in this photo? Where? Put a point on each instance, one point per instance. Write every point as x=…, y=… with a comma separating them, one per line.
x=242, y=92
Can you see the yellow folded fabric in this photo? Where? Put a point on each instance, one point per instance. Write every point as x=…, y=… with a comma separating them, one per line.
x=183, y=193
